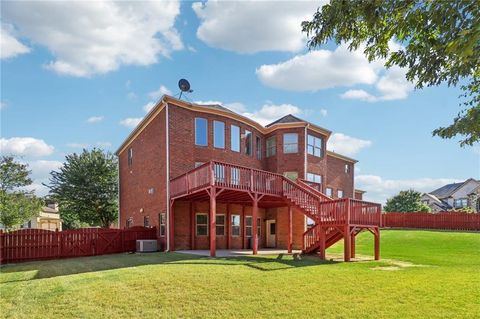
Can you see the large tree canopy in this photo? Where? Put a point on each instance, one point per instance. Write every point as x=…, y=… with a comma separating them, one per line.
x=406, y=201
x=17, y=205
x=440, y=42
x=86, y=188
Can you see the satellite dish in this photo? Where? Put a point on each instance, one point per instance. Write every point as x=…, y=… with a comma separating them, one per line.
x=184, y=85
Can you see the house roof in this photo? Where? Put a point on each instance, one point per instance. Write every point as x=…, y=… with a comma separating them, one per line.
x=340, y=156
x=447, y=190
x=289, y=118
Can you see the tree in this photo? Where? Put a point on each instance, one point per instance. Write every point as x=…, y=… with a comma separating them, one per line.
x=406, y=201
x=86, y=188
x=439, y=42
x=17, y=205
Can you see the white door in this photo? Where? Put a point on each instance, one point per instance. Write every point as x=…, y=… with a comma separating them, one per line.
x=271, y=233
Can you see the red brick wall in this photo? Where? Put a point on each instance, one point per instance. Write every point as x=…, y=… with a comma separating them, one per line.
x=337, y=178
x=359, y=195
x=147, y=171
x=290, y=162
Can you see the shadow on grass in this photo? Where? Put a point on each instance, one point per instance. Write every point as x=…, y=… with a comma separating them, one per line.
x=62, y=267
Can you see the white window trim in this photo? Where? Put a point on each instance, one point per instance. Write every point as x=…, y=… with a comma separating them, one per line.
x=289, y=144
x=315, y=147
x=247, y=226
x=232, y=225
x=196, y=225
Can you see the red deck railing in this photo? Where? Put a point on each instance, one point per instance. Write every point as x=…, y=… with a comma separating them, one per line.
x=315, y=204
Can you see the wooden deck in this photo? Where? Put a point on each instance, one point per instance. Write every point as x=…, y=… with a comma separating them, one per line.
x=334, y=218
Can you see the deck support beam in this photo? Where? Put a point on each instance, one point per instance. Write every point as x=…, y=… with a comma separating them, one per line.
x=290, y=229
x=377, y=243
x=321, y=249
x=352, y=245
x=346, y=243
x=212, y=217
x=254, y=224
x=171, y=227
x=192, y=225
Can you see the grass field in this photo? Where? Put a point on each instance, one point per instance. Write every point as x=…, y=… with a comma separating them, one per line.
x=423, y=274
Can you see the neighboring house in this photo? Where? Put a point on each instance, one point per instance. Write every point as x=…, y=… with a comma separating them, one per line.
x=455, y=195
x=168, y=179
x=48, y=219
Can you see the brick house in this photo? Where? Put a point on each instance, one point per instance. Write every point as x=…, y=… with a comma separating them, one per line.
x=194, y=170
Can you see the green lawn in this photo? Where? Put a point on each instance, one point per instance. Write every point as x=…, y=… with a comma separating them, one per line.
x=422, y=274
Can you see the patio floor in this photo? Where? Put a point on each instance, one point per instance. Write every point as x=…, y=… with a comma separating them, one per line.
x=238, y=252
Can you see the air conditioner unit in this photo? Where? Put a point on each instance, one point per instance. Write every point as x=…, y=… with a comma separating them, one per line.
x=146, y=245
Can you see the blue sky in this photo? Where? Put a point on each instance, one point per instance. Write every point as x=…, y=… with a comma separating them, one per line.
x=73, y=76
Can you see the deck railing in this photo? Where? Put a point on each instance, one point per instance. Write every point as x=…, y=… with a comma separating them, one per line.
x=316, y=205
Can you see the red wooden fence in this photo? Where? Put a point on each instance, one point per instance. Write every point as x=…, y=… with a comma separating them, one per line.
x=37, y=244
x=443, y=220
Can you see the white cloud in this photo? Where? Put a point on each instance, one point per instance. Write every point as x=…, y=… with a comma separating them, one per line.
x=391, y=86
x=158, y=93
x=271, y=112
x=78, y=145
x=271, y=26
x=95, y=119
x=25, y=146
x=234, y=106
x=104, y=144
x=346, y=145
x=321, y=69
x=3, y=105
x=379, y=189
x=323, y=112
x=131, y=96
x=41, y=174
x=147, y=107
x=131, y=122
x=9, y=46
x=96, y=37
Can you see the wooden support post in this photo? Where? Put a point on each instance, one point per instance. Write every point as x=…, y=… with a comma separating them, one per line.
x=228, y=225
x=192, y=225
x=290, y=229
x=254, y=224
x=377, y=243
x=322, y=249
x=213, y=212
x=242, y=227
x=172, y=227
x=352, y=245
x=346, y=243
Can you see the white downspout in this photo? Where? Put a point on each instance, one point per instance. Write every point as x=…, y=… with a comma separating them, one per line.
x=305, y=154
x=167, y=149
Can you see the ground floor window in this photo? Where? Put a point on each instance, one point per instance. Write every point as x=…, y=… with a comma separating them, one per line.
x=201, y=224
x=291, y=175
x=162, y=222
x=339, y=193
x=328, y=191
x=249, y=226
x=220, y=225
x=235, y=225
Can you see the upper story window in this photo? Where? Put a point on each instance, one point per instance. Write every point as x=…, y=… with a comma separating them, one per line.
x=235, y=138
x=258, y=147
x=290, y=143
x=314, y=145
x=271, y=146
x=347, y=168
x=201, y=130
x=314, y=178
x=146, y=221
x=130, y=156
x=328, y=191
x=339, y=193
x=248, y=142
x=460, y=202
x=218, y=134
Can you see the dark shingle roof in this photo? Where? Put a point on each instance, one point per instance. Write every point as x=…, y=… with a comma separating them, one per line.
x=287, y=119
x=447, y=190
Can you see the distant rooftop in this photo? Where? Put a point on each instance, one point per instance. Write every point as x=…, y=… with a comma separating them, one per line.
x=287, y=119
x=447, y=190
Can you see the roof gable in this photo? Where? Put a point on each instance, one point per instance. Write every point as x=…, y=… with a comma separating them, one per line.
x=289, y=118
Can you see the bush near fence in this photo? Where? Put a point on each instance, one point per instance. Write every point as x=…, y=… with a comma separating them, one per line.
x=38, y=244
x=442, y=220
